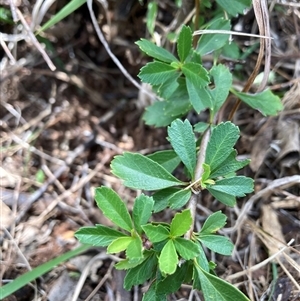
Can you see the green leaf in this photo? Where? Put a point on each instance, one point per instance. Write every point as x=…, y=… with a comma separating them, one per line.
x=156, y=52
x=229, y=165
x=167, y=159
x=172, y=283
x=64, y=12
x=152, y=295
x=214, y=288
x=179, y=199
x=222, y=140
x=212, y=42
x=134, y=251
x=223, y=197
x=199, y=95
x=196, y=74
x=120, y=244
x=234, y=7
x=184, y=43
x=157, y=73
x=227, y=189
x=142, y=210
x=187, y=249
x=161, y=198
x=182, y=139
x=181, y=223
x=100, y=236
x=113, y=207
x=168, y=258
x=201, y=127
x=223, y=81
x=141, y=273
x=127, y=264
x=206, y=172
x=140, y=172
x=202, y=261
x=151, y=16
x=156, y=233
x=214, y=222
x=217, y=243
x=237, y=186
x=155, y=115
x=266, y=102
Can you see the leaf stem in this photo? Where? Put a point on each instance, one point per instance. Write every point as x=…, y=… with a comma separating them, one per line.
x=192, y=205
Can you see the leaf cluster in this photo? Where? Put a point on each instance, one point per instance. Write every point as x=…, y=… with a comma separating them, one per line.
x=183, y=83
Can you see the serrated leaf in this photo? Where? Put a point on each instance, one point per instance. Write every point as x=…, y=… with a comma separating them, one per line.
x=222, y=140
x=196, y=74
x=100, y=236
x=223, y=81
x=214, y=288
x=168, y=258
x=217, y=243
x=167, y=159
x=161, y=198
x=212, y=42
x=214, y=222
x=140, y=172
x=156, y=52
x=187, y=249
x=179, y=199
x=181, y=223
x=156, y=233
x=142, y=210
x=141, y=273
x=113, y=207
x=120, y=244
x=234, y=7
x=182, y=139
x=201, y=127
x=184, y=43
x=156, y=73
x=172, y=283
x=229, y=165
x=266, y=102
x=134, y=251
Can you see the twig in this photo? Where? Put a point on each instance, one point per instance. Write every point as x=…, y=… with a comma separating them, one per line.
x=35, y=41
x=192, y=205
x=259, y=265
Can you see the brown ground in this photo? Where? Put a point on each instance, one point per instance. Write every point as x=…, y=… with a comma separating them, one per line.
x=60, y=130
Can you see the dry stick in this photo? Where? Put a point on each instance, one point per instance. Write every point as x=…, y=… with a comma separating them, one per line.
x=192, y=205
x=112, y=56
x=35, y=41
x=262, y=18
